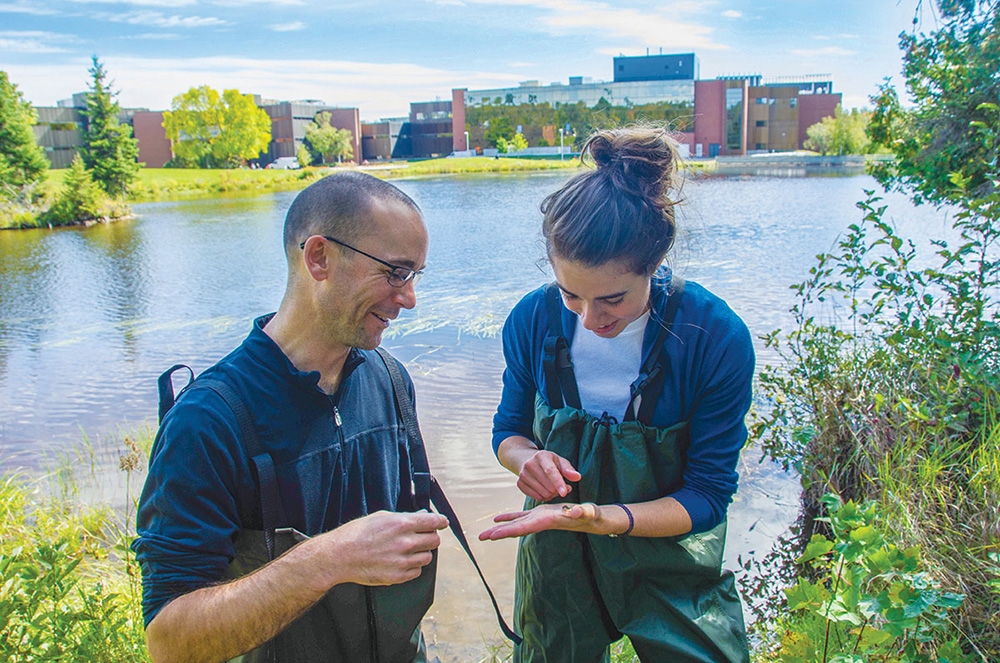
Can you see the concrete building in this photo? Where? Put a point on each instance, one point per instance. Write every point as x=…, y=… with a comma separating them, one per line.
x=426, y=132
x=59, y=129
x=289, y=120
x=155, y=149
x=740, y=115
x=59, y=133
x=733, y=115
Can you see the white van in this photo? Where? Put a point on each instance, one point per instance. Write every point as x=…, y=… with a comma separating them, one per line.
x=284, y=163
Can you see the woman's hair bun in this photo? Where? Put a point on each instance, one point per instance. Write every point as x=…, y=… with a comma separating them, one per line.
x=640, y=159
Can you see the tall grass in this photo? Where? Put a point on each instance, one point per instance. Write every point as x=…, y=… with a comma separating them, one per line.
x=70, y=587
x=888, y=391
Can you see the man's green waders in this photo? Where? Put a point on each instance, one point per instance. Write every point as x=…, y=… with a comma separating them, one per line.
x=352, y=623
x=578, y=593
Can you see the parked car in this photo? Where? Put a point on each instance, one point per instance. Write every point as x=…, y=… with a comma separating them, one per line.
x=284, y=163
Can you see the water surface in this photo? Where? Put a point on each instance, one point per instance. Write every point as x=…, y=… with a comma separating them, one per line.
x=89, y=318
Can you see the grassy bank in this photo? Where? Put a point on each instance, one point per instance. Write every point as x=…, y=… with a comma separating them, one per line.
x=168, y=183
x=71, y=588
x=888, y=395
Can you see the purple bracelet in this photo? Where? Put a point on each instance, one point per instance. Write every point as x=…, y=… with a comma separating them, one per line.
x=631, y=520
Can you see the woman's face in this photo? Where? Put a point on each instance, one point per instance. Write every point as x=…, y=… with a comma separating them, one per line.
x=607, y=298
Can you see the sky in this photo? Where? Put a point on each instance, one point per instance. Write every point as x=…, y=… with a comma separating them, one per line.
x=380, y=55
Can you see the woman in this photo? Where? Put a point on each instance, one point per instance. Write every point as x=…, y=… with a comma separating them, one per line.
x=622, y=416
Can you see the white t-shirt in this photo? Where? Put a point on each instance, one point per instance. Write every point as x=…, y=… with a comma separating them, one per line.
x=606, y=367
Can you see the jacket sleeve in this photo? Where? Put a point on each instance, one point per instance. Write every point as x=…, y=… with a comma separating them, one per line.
x=719, y=375
x=187, y=515
x=516, y=413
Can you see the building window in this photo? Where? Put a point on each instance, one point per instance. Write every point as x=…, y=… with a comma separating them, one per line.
x=761, y=123
x=734, y=118
x=793, y=102
x=761, y=101
x=761, y=146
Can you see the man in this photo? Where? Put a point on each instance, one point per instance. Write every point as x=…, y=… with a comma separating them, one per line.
x=336, y=466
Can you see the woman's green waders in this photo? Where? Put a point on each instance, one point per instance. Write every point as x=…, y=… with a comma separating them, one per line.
x=578, y=593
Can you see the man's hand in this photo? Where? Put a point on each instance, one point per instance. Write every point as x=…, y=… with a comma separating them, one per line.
x=218, y=622
x=383, y=548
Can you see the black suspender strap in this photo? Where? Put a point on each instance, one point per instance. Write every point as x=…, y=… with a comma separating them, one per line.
x=418, y=453
x=437, y=496
x=165, y=387
x=653, y=367
x=270, y=500
x=557, y=362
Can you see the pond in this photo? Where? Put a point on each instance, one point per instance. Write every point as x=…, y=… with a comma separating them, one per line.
x=89, y=318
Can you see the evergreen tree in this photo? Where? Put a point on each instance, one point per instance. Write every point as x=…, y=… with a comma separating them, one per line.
x=80, y=199
x=109, y=150
x=22, y=161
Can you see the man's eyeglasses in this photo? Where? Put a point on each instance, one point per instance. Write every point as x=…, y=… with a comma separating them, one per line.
x=398, y=276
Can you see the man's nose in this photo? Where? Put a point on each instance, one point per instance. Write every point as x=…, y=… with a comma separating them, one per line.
x=407, y=295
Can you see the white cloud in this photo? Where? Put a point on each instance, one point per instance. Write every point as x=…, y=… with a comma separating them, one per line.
x=732, y=13
x=447, y=3
x=289, y=27
x=26, y=9
x=377, y=90
x=140, y=3
x=522, y=65
x=246, y=3
x=600, y=19
x=159, y=20
x=33, y=41
x=828, y=51
x=159, y=36
x=27, y=46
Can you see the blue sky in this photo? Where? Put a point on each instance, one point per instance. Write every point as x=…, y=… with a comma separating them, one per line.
x=379, y=55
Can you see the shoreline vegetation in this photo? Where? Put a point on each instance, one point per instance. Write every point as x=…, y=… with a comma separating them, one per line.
x=160, y=184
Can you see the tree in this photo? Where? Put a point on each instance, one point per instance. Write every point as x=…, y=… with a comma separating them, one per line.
x=518, y=143
x=81, y=199
x=210, y=130
x=328, y=142
x=951, y=77
x=109, y=151
x=22, y=162
x=844, y=133
x=499, y=129
x=304, y=156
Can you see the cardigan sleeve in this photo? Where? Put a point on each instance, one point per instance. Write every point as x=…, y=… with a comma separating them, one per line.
x=516, y=412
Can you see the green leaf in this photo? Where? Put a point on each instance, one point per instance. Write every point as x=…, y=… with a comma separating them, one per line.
x=818, y=546
x=804, y=595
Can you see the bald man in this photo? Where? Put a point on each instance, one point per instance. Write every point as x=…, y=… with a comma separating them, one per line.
x=279, y=520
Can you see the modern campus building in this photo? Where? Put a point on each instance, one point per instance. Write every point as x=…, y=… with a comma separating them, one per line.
x=59, y=129
x=731, y=115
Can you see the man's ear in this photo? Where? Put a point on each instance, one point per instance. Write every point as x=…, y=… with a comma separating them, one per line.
x=319, y=258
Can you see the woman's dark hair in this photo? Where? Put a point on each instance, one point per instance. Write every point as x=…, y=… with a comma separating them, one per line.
x=621, y=210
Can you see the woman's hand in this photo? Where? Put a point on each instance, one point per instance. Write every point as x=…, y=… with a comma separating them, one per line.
x=545, y=476
x=541, y=475
x=573, y=517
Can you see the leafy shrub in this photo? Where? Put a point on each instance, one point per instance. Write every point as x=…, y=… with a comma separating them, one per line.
x=888, y=390
x=869, y=602
x=63, y=598
x=81, y=200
